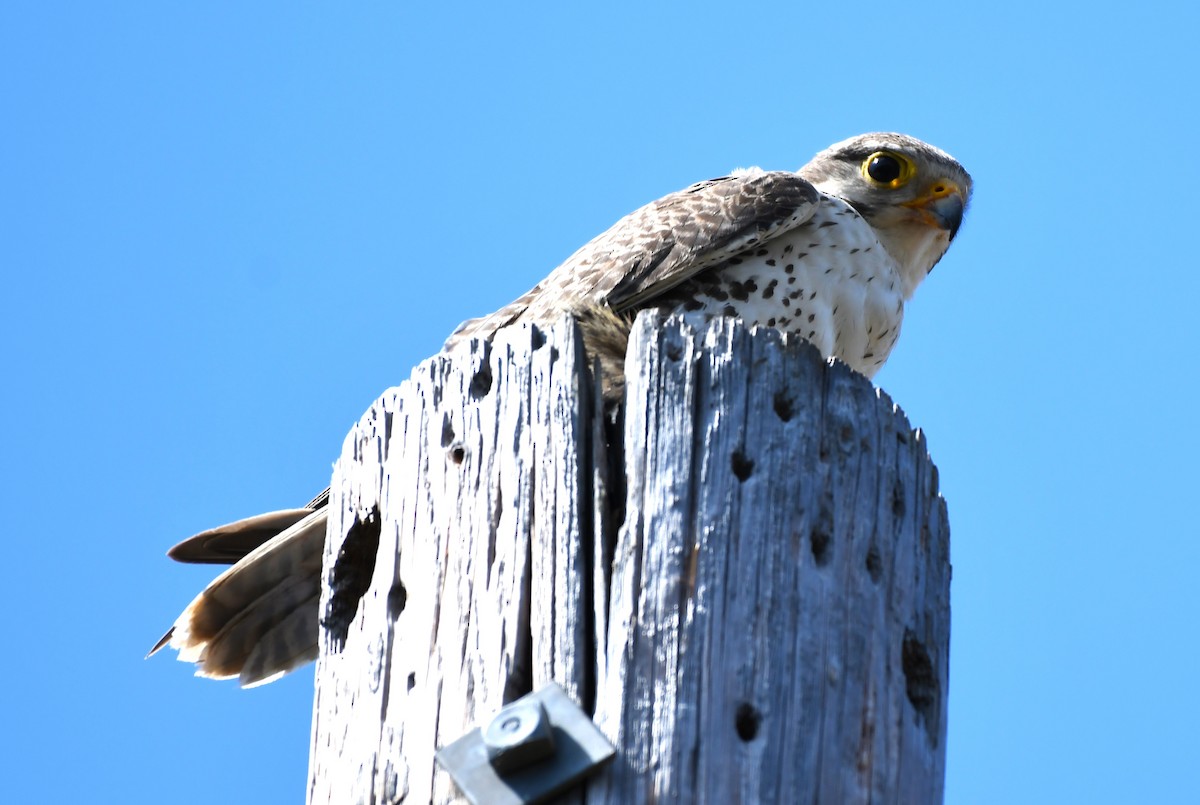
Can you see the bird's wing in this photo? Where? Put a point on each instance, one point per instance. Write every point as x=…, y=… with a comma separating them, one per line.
x=662, y=244
x=227, y=544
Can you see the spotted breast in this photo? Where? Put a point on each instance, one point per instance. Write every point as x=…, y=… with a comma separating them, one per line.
x=830, y=281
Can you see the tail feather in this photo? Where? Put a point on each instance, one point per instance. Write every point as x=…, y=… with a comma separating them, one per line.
x=258, y=619
x=226, y=652
x=287, y=646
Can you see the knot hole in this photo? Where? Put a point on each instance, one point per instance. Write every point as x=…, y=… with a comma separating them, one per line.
x=746, y=721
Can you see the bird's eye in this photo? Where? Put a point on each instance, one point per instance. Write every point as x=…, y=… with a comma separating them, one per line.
x=884, y=168
x=887, y=169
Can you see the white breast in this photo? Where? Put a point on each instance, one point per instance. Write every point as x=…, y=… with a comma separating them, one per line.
x=830, y=281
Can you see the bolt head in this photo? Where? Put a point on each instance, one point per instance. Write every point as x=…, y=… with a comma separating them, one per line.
x=520, y=734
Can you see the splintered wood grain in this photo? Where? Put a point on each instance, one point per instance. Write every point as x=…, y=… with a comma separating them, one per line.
x=779, y=629
x=482, y=584
x=770, y=625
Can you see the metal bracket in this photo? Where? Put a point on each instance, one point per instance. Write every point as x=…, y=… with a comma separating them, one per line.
x=536, y=747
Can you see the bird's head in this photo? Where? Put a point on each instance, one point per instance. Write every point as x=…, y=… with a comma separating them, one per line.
x=913, y=195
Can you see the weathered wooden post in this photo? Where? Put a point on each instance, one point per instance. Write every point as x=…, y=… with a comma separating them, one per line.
x=755, y=609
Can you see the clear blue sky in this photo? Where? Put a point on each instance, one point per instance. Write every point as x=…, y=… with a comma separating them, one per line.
x=226, y=228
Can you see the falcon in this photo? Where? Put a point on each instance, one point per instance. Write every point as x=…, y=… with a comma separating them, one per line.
x=831, y=253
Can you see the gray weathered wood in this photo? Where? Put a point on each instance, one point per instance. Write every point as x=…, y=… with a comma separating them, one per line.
x=774, y=623
x=472, y=462
x=780, y=621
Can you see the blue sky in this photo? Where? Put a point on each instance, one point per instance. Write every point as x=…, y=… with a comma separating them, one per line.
x=226, y=228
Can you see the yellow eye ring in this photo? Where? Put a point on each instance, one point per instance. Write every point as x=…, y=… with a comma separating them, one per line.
x=887, y=169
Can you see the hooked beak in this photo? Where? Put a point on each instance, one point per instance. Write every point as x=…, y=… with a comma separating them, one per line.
x=941, y=205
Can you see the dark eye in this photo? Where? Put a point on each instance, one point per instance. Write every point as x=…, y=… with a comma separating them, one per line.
x=888, y=169
x=884, y=168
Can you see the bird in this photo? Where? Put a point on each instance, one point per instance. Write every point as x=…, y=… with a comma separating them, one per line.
x=831, y=252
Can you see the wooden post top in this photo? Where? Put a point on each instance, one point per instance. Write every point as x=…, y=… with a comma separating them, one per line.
x=745, y=582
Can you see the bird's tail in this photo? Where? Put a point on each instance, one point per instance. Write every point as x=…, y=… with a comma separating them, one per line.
x=259, y=619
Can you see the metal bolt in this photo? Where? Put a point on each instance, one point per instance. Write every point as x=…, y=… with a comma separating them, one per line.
x=532, y=750
x=520, y=734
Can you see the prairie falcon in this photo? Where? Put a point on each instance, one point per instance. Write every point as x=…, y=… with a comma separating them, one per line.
x=831, y=252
